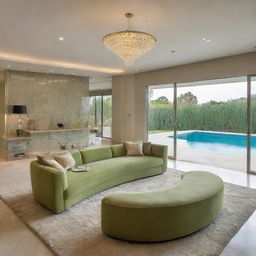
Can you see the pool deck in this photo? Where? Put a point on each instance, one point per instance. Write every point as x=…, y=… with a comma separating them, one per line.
x=235, y=162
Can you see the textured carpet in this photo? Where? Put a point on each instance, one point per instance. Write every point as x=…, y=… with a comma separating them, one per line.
x=78, y=232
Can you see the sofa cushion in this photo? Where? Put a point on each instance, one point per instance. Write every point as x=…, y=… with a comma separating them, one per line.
x=103, y=171
x=52, y=163
x=96, y=154
x=77, y=157
x=147, y=148
x=65, y=159
x=43, y=157
x=133, y=148
x=118, y=150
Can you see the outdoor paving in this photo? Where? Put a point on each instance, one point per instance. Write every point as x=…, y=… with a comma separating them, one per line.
x=230, y=161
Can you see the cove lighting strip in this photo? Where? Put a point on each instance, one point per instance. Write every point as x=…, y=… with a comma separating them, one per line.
x=59, y=64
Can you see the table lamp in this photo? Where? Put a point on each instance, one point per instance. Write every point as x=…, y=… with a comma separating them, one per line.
x=20, y=110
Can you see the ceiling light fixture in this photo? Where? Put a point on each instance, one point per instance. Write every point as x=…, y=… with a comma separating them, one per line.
x=129, y=44
x=206, y=39
x=61, y=38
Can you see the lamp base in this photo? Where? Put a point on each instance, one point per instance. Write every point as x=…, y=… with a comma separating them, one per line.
x=19, y=132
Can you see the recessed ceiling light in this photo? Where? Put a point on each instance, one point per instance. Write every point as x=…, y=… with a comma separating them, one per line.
x=61, y=38
x=206, y=39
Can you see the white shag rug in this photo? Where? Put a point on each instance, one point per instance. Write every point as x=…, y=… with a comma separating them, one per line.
x=77, y=231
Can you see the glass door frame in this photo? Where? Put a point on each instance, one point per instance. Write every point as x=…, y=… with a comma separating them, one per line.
x=173, y=157
x=248, y=109
x=249, y=121
x=101, y=113
x=174, y=121
x=102, y=116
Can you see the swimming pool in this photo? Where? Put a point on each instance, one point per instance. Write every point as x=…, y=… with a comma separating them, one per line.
x=217, y=142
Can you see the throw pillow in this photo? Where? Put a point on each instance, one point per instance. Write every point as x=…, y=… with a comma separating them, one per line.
x=147, y=148
x=42, y=159
x=50, y=162
x=133, y=148
x=65, y=159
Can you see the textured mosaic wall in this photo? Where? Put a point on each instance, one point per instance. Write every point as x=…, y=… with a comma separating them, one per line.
x=49, y=99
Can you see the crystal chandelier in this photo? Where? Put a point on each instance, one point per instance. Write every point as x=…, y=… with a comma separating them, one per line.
x=129, y=44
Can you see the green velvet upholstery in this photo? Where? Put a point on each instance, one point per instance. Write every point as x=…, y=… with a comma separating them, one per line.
x=58, y=191
x=77, y=157
x=165, y=214
x=160, y=151
x=48, y=185
x=118, y=150
x=96, y=154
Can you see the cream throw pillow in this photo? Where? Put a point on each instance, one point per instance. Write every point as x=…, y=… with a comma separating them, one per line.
x=65, y=159
x=134, y=148
x=50, y=162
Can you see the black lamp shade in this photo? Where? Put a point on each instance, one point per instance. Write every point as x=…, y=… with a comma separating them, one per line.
x=19, y=109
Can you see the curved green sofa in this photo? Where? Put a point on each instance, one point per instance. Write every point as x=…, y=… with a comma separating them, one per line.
x=166, y=214
x=109, y=166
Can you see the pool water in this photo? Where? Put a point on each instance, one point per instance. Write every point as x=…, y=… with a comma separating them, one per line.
x=218, y=142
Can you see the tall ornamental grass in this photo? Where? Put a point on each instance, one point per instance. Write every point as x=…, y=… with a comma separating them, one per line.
x=227, y=116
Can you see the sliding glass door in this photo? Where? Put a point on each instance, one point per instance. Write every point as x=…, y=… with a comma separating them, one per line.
x=209, y=122
x=98, y=114
x=251, y=143
x=107, y=116
x=100, y=120
x=161, y=116
x=212, y=123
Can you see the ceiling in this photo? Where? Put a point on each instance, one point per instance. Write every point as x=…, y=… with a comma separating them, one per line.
x=30, y=31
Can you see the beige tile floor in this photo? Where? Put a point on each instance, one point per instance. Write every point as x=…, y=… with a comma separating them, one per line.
x=17, y=239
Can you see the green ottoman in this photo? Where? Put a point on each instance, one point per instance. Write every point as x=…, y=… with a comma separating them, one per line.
x=166, y=214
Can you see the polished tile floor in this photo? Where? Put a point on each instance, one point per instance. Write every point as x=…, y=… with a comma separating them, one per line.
x=17, y=239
